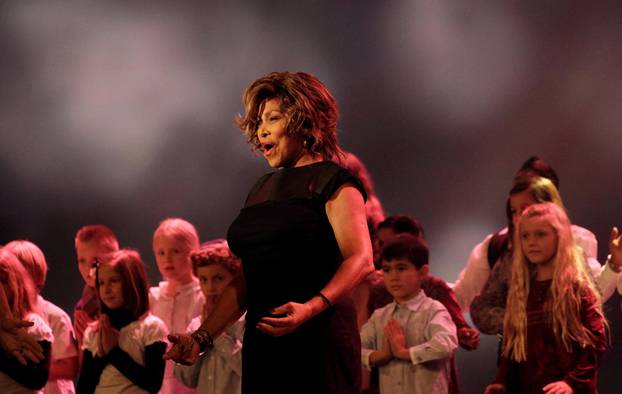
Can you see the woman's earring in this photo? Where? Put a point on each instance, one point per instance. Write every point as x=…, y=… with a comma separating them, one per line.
x=309, y=142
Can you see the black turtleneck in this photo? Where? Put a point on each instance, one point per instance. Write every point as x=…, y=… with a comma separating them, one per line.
x=148, y=377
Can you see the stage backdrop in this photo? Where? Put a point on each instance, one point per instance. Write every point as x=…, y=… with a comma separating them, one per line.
x=123, y=113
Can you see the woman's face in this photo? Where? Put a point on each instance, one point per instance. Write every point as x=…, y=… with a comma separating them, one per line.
x=518, y=203
x=279, y=149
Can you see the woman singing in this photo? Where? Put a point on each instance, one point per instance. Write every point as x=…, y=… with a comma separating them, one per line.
x=303, y=240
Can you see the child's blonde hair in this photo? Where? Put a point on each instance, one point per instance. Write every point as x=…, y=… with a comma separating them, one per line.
x=215, y=252
x=99, y=234
x=32, y=258
x=179, y=229
x=571, y=281
x=17, y=285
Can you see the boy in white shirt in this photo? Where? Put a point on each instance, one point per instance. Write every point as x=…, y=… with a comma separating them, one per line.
x=413, y=338
x=219, y=370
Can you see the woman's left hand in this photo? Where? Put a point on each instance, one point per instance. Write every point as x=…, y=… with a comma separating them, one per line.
x=290, y=316
x=559, y=387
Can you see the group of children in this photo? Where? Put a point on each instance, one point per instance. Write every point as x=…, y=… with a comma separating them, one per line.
x=119, y=335
x=550, y=313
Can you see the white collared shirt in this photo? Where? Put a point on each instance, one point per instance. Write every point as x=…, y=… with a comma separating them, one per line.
x=64, y=345
x=218, y=371
x=177, y=311
x=431, y=338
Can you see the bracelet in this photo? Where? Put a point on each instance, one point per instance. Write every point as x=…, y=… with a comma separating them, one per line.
x=617, y=268
x=325, y=299
x=204, y=339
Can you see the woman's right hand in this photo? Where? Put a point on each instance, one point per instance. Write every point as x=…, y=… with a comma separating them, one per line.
x=495, y=388
x=15, y=340
x=185, y=349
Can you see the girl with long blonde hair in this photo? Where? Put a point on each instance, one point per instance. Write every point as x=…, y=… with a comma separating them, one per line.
x=554, y=328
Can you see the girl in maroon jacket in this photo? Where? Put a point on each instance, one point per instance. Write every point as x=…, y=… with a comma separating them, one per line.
x=554, y=329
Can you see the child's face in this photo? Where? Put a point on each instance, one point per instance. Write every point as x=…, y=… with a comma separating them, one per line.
x=538, y=240
x=402, y=279
x=86, y=253
x=110, y=287
x=173, y=258
x=518, y=203
x=213, y=280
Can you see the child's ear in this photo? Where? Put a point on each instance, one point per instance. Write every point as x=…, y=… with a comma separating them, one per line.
x=424, y=270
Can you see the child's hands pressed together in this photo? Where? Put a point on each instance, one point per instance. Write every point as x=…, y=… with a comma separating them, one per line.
x=109, y=337
x=559, y=387
x=393, y=331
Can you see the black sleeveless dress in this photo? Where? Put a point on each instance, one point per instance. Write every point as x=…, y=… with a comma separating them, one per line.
x=289, y=253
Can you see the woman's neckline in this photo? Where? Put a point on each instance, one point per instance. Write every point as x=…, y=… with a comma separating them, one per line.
x=305, y=166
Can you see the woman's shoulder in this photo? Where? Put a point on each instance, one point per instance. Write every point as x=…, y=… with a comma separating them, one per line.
x=320, y=179
x=328, y=177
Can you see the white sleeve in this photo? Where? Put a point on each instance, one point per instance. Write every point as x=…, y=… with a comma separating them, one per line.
x=607, y=281
x=474, y=275
x=40, y=329
x=443, y=339
x=229, y=348
x=586, y=240
x=155, y=331
x=369, y=338
x=90, y=340
x=65, y=344
x=188, y=375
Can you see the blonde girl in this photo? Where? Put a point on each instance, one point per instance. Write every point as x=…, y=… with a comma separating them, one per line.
x=177, y=299
x=554, y=329
x=18, y=289
x=64, y=357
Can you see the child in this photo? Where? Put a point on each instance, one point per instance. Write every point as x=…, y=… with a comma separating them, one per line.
x=123, y=349
x=554, y=326
x=434, y=287
x=495, y=247
x=488, y=308
x=219, y=370
x=64, y=364
x=92, y=242
x=16, y=285
x=178, y=299
x=413, y=338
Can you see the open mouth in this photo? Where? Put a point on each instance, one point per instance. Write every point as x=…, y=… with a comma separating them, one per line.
x=267, y=149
